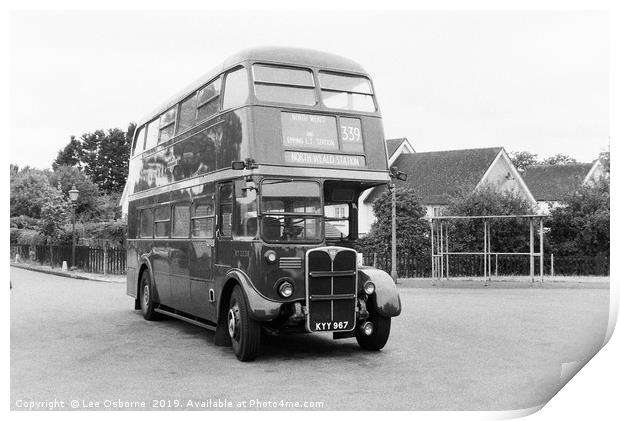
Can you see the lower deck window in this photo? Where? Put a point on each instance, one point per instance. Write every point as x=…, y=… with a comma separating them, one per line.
x=162, y=221
x=203, y=218
x=146, y=223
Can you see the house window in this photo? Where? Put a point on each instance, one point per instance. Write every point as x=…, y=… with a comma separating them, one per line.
x=437, y=211
x=340, y=212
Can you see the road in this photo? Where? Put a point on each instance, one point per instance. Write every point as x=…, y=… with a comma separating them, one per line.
x=468, y=348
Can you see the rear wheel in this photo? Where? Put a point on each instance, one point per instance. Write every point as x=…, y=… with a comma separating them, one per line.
x=147, y=305
x=244, y=332
x=379, y=336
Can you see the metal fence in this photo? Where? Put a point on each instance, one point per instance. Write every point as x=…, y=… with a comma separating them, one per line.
x=107, y=260
x=500, y=265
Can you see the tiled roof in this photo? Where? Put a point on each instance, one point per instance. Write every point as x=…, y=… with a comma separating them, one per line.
x=555, y=182
x=332, y=230
x=393, y=144
x=436, y=176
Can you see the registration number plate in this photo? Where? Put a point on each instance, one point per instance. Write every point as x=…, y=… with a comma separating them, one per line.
x=330, y=326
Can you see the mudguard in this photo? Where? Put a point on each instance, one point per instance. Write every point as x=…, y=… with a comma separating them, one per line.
x=261, y=308
x=385, y=301
x=144, y=260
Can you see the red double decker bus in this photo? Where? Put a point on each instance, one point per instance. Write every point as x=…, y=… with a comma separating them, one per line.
x=243, y=193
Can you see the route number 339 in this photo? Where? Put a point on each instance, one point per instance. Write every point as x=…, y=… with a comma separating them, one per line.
x=350, y=133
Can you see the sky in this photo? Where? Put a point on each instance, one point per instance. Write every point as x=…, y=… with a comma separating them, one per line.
x=527, y=81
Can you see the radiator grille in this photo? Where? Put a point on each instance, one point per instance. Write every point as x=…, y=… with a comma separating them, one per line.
x=290, y=262
x=331, y=282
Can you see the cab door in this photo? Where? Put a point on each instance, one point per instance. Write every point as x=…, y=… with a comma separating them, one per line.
x=223, y=237
x=201, y=254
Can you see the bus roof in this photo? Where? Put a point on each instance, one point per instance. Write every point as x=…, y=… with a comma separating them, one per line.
x=284, y=55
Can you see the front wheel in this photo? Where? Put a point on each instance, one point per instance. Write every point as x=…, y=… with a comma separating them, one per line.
x=147, y=305
x=244, y=332
x=379, y=336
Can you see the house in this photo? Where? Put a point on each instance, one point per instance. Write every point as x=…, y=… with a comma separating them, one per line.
x=551, y=184
x=396, y=147
x=438, y=176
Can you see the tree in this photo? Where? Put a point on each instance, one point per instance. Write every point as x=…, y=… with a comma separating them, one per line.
x=70, y=155
x=559, y=159
x=523, y=159
x=30, y=190
x=108, y=205
x=53, y=216
x=103, y=156
x=33, y=196
x=507, y=235
x=604, y=158
x=581, y=226
x=65, y=177
x=412, y=233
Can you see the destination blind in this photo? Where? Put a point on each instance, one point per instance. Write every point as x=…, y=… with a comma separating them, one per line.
x=324, y=159
x=309, y=131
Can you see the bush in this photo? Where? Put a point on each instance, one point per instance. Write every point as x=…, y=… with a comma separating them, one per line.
x=24, y=221
x=412, y=234
x=581, y=226
x=30, y=237
x=507, y=235
x=113, y=231
x=14, y=236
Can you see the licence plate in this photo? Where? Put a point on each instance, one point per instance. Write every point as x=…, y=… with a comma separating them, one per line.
x=331, y=326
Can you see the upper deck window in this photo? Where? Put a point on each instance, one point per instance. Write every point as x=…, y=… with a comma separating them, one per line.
x=152, y=134
x=139, y=143
x=236, y=89
x=209, y=99
x=346, y=92
x=166, y=124
x=283, y=84
x=187, y=114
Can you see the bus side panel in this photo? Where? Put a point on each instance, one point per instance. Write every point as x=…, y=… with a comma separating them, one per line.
x=132, y=255
x=374, y=143
x=201, y=278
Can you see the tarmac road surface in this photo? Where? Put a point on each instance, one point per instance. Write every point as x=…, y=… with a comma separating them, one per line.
x=468, y=348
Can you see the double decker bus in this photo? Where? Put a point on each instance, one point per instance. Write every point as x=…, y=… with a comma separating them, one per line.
x=242, y=202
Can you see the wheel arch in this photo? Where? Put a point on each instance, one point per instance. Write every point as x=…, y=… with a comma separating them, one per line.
x=145, y=265
x=386, y=300
x=224, y=298
x=260, y=308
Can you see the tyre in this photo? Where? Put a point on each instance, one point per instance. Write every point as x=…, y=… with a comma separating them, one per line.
x=379, y=337
x=244, y=332
x=147, y=305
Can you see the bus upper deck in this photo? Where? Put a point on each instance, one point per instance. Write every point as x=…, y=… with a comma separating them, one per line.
x=281, y=107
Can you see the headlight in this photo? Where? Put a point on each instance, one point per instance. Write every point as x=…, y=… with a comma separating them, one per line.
x=270, y=256
x=369, y=288
x=286, y=289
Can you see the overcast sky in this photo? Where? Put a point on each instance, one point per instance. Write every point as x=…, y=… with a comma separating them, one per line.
x=535, y=81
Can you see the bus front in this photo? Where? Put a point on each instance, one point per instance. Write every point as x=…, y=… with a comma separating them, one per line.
x=318, y=140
